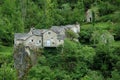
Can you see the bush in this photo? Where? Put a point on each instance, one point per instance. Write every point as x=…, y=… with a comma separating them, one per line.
x=116, y=31
x=85, y=34
x=106, y=8
x=93, y=75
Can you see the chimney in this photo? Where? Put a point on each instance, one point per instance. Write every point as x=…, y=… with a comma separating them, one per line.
x=31, y=30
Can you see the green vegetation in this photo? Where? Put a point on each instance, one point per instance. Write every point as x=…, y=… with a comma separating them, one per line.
x=92, y=58
x=70, y=34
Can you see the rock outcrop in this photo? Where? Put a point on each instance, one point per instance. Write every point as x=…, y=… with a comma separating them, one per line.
x=24, y=59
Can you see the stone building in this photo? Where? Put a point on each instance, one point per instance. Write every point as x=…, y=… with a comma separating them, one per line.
x=49, y=38
x=33, y=39
x=40, y=38
x=89, y=15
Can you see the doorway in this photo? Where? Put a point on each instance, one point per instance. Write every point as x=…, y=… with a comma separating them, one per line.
x=48, y=43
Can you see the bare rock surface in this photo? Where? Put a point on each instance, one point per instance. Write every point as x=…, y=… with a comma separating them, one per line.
x=24, y=59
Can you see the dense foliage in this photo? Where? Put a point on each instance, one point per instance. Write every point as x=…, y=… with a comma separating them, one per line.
x=95, y=57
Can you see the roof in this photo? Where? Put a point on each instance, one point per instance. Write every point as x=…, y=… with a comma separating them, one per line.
x=24, y=36
x=37, y=32
x=68, y=26
x=46, y=30
x=57, y=29
x=21, y=36
x=43, y=30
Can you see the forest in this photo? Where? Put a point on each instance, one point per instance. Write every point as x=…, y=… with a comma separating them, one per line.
x=96, y=56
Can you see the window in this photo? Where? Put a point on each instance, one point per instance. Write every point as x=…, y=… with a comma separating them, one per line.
x=49, y=32
x=32, y=40
x=59, y=40
x=90, y=19
x=53, y=43
x=39, y=41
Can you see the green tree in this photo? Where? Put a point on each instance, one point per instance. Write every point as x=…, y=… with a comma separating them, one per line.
x=116, y=30
x=102, y=37
x=115, y=75
x=70, y=34
x=93, y=75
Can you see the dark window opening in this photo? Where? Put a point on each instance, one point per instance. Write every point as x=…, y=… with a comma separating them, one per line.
x=53, y=43
x=39, y=41
x=49, y=32
x=90, y=19
x=32, y=40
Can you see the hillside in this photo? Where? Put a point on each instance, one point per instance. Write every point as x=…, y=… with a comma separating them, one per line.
x=95, y=57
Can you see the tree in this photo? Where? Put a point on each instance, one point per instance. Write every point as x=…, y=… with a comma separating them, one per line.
x=70, y=34
x=115, y=75
x=69, y=47
x=93, y=75
x=116, y=30
x=47, y=15
x=102, y=37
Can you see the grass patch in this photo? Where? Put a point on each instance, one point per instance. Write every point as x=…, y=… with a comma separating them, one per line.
x=6, y=50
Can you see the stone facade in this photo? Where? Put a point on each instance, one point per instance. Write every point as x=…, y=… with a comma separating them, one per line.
x=33, y=41
x=49, y=39
x=89, y=15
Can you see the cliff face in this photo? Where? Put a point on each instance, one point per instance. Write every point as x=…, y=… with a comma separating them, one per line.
x=24, y=59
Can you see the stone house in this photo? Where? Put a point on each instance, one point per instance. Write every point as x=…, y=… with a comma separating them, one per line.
x=50, y=39
x=89, y=15
x=40, y=38
x=32, y=39
x=60, y=34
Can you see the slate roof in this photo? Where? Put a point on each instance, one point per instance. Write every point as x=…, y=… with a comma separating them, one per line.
x=24, y=36
x=43, y=30
x=68, y=26
x=21, y=36
x=57, y=29
x=37, y=32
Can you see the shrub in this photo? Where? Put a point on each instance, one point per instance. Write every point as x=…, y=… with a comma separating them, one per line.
x=85, y=34
x=116, y=31
x=106, y=8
